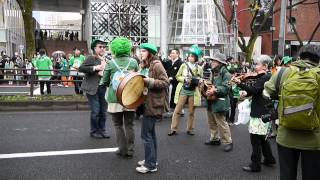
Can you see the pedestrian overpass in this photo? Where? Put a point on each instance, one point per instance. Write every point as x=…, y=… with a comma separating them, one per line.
x=59, y=5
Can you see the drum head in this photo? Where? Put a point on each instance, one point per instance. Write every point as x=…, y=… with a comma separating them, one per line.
x=130, y=91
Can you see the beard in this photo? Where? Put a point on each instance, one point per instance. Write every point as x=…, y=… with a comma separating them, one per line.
x=216, y=69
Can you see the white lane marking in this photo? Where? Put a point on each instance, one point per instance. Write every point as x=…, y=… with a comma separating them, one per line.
x=56, y=153
x=14, y=92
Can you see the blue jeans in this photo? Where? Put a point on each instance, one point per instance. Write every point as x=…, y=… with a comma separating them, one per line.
x=98, y=107
x=148, y=135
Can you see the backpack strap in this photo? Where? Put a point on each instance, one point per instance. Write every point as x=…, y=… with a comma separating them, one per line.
x=279, y=79
x=117, y=66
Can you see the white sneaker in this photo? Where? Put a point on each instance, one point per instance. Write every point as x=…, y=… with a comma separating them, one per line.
x=143, y=169
x=141, y=163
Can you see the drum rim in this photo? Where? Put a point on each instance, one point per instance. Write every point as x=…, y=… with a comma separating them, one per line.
x=121, y=88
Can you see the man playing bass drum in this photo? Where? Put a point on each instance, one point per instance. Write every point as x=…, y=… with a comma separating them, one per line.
x=217, y=109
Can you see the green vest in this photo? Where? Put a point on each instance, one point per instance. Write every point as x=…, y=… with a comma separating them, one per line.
x=44, y=63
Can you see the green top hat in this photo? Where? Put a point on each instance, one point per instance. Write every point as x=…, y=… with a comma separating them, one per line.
x=150, y=47
x=195, y=50
x=95, y=42
x=121, y=46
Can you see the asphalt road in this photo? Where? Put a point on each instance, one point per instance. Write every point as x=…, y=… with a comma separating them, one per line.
x=180, y=157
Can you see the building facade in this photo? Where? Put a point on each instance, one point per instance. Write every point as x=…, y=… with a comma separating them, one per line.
x=305, y=18
x=12, y=37
x=197, y=22
x=136, y=19
x=189, y=22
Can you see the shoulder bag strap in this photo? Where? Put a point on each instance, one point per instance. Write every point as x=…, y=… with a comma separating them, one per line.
x=279, y=79
x=189, y=69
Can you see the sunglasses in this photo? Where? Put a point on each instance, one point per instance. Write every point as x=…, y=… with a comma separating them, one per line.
x=101, y=47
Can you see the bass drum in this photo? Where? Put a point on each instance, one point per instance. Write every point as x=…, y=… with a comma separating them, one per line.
x=130, y=92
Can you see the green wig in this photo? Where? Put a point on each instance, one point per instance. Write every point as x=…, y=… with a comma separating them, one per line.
x=121, y=46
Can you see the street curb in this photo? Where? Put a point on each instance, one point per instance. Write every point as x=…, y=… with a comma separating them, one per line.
x=6, y=106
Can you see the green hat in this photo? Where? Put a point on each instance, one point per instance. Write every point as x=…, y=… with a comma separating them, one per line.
x=286, y=59
x=120, y=46
x=95, y=42
x=195, y=50
x=150, y=47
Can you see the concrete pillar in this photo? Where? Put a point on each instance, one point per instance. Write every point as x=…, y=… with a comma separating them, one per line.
x=164, y=28
x=282, y=31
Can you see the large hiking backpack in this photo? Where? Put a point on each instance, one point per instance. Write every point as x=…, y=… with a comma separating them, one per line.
x=299, y=100
x=119, y=74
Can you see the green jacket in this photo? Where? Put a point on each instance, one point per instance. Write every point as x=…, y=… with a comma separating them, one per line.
x=235, y=91
x=220, y=81
x=80, y=59
x=109, y=71
x=44, y=63
x=180, y=76
x=64, y=68
x=297, y=139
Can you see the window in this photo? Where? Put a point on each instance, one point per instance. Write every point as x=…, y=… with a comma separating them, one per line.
x=294, y=2
x=291, y=24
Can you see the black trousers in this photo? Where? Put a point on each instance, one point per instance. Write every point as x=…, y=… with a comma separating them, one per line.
x=260, y=144
x=233, y=103
x=77, y=85
x=42, y=87
x=310, y=163
x=173, y=91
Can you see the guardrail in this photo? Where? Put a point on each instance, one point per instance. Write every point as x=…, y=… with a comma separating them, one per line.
x=34, y=76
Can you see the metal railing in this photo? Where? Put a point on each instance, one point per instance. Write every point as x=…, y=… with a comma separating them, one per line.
x=6, y=72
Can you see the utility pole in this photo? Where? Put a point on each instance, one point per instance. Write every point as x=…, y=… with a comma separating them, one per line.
x=235, y=29
x=282, y=32
x=163, y=28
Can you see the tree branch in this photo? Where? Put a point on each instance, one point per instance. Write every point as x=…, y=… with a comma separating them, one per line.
x=242, y=42
x=314, y=32
x=222, y=12
x=253, y=20
x=295, y=31
x=267, y=15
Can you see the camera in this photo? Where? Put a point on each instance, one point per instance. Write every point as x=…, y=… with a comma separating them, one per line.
x=266, y=118
x=272, y=112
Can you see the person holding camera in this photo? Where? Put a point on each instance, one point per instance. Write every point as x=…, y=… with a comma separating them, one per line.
x=188, y=76
x=258, y=129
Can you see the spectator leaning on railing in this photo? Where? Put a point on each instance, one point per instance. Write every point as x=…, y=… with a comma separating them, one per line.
x=44, y=63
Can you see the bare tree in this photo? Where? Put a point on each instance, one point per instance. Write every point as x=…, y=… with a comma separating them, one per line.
x=26, y=8
x=255, y=9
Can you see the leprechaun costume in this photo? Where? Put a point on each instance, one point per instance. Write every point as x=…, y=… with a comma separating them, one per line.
x=122, y=118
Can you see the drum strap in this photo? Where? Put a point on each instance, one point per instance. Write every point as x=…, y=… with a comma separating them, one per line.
x=117, y=66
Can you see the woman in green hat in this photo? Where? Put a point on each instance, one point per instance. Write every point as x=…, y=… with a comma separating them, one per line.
x=157, y=84
x=188, y=76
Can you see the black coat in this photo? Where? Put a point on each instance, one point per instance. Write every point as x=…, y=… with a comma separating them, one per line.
x=91, y=79
x=172, y=69
x=255, y=90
